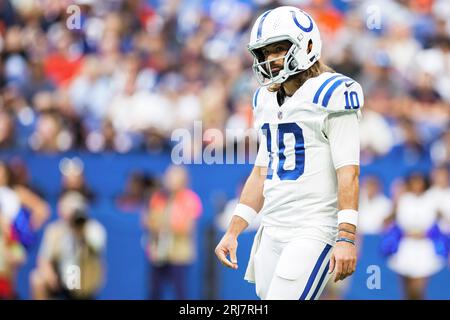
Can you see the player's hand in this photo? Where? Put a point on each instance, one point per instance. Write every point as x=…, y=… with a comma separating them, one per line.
x=227, y=246
x=343, y=259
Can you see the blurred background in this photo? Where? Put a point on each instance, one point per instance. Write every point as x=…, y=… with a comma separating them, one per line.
x=91, y=205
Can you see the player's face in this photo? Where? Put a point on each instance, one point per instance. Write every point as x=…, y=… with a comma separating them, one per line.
x=276, y=52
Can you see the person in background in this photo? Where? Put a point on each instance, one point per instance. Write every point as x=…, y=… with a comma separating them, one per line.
x=374, y=209
x=12, y=256
x=374, y=206
x=22, y=214
x=440, y=193
x=73, y=179
x=69, y=262
x=224, y=218
x=416, y=253
x=7, y=130
x=38, y=208
x=138, y=190
x=171, y=220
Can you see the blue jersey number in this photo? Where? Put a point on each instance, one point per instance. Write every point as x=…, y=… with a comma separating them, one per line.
x=351, y=100
x=284, y=128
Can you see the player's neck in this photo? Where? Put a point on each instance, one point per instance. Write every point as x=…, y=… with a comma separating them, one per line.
x=290, y=87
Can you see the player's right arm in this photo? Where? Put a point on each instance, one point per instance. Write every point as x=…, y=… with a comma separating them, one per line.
x=252, y=197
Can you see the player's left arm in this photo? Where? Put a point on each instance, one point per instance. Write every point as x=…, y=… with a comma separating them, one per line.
x=342, y=131
x=343, y=134
x=344, y=255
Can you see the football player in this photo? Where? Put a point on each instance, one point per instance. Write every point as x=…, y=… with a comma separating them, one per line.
x=305, y=179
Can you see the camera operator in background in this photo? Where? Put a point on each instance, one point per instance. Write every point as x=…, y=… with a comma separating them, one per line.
x=69, y=262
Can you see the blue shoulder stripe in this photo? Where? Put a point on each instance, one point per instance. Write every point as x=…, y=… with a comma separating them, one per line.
x=330, y=91
x=255, y=98
x=317, y=95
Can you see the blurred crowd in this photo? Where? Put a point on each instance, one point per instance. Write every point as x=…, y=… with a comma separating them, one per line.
x=70, y=261
x=121, y=75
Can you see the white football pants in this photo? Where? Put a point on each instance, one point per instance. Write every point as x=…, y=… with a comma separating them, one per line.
x=290, y=270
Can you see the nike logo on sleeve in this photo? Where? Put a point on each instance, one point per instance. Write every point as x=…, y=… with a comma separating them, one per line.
x=348, y=84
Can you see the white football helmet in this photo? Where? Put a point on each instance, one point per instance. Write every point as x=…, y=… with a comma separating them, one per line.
x=284, y=23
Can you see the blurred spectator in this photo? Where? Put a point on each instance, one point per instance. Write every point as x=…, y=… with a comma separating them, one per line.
x=7, y=130
x=440, y=150
x=440, y=195
x=69, y=262
x=73, y=178
x=12, y=256
x=91, y=92
x=15, y=58
x=376, y=137
x=347, y=64
x=38, y=81
x=224, y=218
x=381, y=79
x=416, y=242
x=65, y=61
x=16, y=196
x=171, y=222
x=137, y=192
x=402, y=47
x=374, y=207
x=136, y=110
x=22, y=213
x=410, y=150
x=437, y=64
x=50, y=135
x=423, y=91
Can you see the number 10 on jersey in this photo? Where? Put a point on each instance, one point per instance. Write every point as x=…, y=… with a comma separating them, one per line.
x=299, y=150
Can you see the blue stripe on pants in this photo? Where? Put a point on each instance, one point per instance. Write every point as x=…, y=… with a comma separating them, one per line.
x=316, y=269
x=324, y=273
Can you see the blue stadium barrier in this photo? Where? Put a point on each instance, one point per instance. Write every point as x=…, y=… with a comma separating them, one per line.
x=127, y=275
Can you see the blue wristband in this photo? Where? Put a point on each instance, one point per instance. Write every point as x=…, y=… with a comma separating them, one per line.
x=342, y=239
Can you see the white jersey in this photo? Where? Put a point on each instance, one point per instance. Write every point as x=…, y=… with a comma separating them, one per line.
x=303, y=142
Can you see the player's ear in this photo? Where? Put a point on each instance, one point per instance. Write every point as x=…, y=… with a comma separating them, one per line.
x=310, y=44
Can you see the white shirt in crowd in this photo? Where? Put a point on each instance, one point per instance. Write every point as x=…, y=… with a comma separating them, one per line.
x=372, y=213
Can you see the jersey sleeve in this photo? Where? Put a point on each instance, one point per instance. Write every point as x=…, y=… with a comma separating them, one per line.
x=339, y=93
x=262, y=158
x=257, y=108
x=342, y=132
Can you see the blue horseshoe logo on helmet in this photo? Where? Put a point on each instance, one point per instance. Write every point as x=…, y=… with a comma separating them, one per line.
x=307, y=29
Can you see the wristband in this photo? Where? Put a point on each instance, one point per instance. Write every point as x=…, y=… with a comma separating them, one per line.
x=346, y=230
x=348, y=216
x=342, y=239
x=245, y=212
